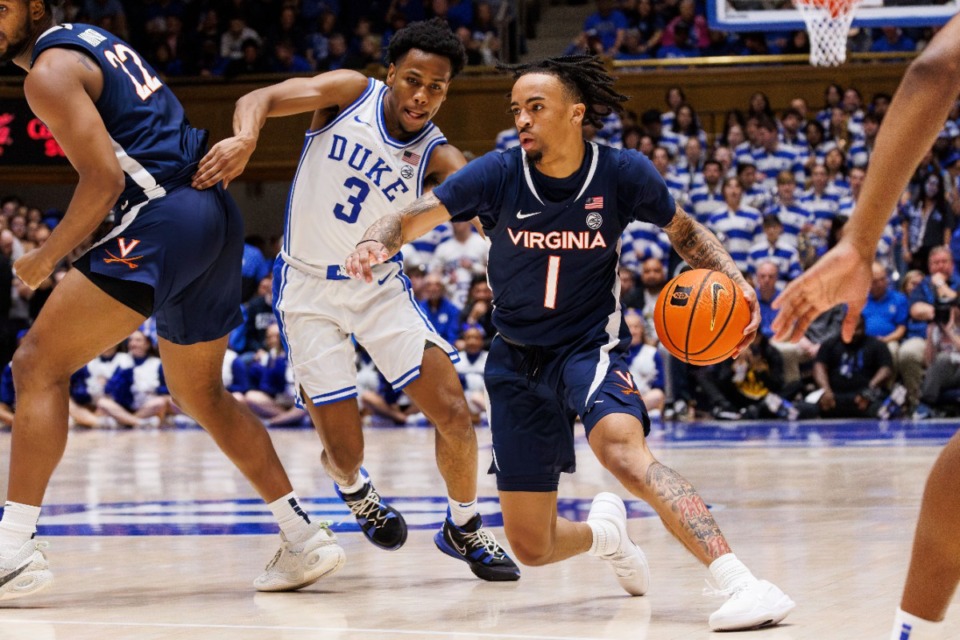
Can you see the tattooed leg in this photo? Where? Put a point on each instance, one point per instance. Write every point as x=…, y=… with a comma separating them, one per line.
x=684, y=513
x=618, y=442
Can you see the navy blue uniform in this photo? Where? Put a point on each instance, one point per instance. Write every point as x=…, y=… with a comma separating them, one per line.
x=562, y=345
x=185, y=245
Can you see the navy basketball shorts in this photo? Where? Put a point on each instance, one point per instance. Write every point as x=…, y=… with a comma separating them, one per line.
x=532, y=420
x=187, y=247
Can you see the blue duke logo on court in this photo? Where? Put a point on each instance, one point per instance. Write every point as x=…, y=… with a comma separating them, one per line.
x=359, y=158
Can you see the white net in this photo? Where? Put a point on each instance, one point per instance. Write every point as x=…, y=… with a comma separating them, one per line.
x=828, y=24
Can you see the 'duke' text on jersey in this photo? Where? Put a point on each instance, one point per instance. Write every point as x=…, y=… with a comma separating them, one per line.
x=359, y=159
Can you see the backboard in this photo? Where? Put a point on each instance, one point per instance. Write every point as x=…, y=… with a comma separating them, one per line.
x=780, y=15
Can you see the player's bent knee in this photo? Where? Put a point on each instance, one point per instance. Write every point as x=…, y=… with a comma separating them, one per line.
x=627, y=463
x=30, y=367
x=529, y=551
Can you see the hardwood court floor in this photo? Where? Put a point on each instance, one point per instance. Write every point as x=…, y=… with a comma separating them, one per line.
x=831, y=525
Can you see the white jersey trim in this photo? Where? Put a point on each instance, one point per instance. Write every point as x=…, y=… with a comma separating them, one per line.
x=613, y=333
x=353, y=106
x=586, y=183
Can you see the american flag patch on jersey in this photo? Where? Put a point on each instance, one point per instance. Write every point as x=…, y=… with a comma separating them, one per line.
x=411, y=157
x=594, y=203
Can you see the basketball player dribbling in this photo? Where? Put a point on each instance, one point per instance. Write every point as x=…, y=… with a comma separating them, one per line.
x=554, y=209
x=175, y=254
x=371, y=147
x=842, y=275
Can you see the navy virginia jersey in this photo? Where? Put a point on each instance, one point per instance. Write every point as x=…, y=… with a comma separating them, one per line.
x=556, y=242
x=155, y=145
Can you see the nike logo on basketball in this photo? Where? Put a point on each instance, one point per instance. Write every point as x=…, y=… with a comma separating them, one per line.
x=521, y=215
x=16, y=572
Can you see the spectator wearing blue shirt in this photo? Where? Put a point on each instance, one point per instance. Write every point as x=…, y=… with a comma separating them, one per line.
x=682, y=47
x=775, y=249
x=736, y=226
x=608, y=25
x=893, y=40
x=254, y=268
x=438, y=310
x=885, y=313
x=137, y=396
x=938, y=287
x=767, y=290
x=8, y=395
x=271, y=390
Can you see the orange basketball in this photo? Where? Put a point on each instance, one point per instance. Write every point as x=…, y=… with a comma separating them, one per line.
x=700, y=316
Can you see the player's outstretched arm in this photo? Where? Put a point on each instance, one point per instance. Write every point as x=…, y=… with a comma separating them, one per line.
x=384, y=237
x=913, y=121
x=228, y=158
x=64, y=77
x=702, y=250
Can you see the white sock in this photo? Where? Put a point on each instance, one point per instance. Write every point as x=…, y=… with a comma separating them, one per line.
x=729, y=572
x=18, y=525
x=907, y=626
x=293, y=520
x=357, y=484
x=461, y=512
x=606, y=538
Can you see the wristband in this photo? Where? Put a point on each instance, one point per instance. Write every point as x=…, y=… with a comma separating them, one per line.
x=367, y=240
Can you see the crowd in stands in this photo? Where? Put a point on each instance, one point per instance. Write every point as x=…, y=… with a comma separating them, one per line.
x=776, y=187
x=231, y=38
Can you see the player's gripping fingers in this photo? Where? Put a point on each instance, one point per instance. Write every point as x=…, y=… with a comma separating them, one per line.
x=367, y=254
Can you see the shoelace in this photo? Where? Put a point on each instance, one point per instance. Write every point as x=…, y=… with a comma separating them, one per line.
x=623, y=564
x=482, y=538
x=369, y=507
x=713, y=591
x=285, y=545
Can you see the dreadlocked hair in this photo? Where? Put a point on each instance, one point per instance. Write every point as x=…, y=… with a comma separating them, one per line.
x=584, y=76
x=431, y=36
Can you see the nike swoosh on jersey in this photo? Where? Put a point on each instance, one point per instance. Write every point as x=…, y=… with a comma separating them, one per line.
x=385, y=278
x=357, y=118
x=521, y=215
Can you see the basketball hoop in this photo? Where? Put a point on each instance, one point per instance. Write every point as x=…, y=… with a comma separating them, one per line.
x=828, y=24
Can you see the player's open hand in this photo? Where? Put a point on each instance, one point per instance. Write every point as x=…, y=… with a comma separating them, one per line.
x=842, y=275
x=33, y=268
x=224, y=161
x=367, y=254
x=751, y=330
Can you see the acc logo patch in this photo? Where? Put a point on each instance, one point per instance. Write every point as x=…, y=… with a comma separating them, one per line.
x=680, y=297
x=406, y=171
x=594, y=220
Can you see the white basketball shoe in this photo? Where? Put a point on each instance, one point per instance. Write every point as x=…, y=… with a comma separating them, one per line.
x=750, y=606
x=297, y=565
x=25, y=571
x=628, y=561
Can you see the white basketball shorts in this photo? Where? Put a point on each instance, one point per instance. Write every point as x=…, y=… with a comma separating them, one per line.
x=319, y=311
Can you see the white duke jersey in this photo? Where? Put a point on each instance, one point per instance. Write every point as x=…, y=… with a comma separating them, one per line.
x=351, y=174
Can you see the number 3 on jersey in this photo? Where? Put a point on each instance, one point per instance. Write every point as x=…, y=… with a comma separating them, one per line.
x=355, y=200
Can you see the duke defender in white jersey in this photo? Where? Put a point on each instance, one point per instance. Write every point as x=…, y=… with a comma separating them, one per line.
x=370, y=149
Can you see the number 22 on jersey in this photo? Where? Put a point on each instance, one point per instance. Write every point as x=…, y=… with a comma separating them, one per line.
x=121, y=54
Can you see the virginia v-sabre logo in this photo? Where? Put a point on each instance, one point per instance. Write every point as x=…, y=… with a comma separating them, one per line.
x=680, y=297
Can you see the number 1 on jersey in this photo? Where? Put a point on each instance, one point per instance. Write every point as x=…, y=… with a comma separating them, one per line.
x=553, y=274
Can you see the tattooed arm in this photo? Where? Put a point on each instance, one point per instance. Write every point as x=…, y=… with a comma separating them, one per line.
x=701, y=249
x=384, y=237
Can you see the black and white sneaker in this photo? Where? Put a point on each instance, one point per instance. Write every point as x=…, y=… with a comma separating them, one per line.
x=477, y=547
x=381, y=524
